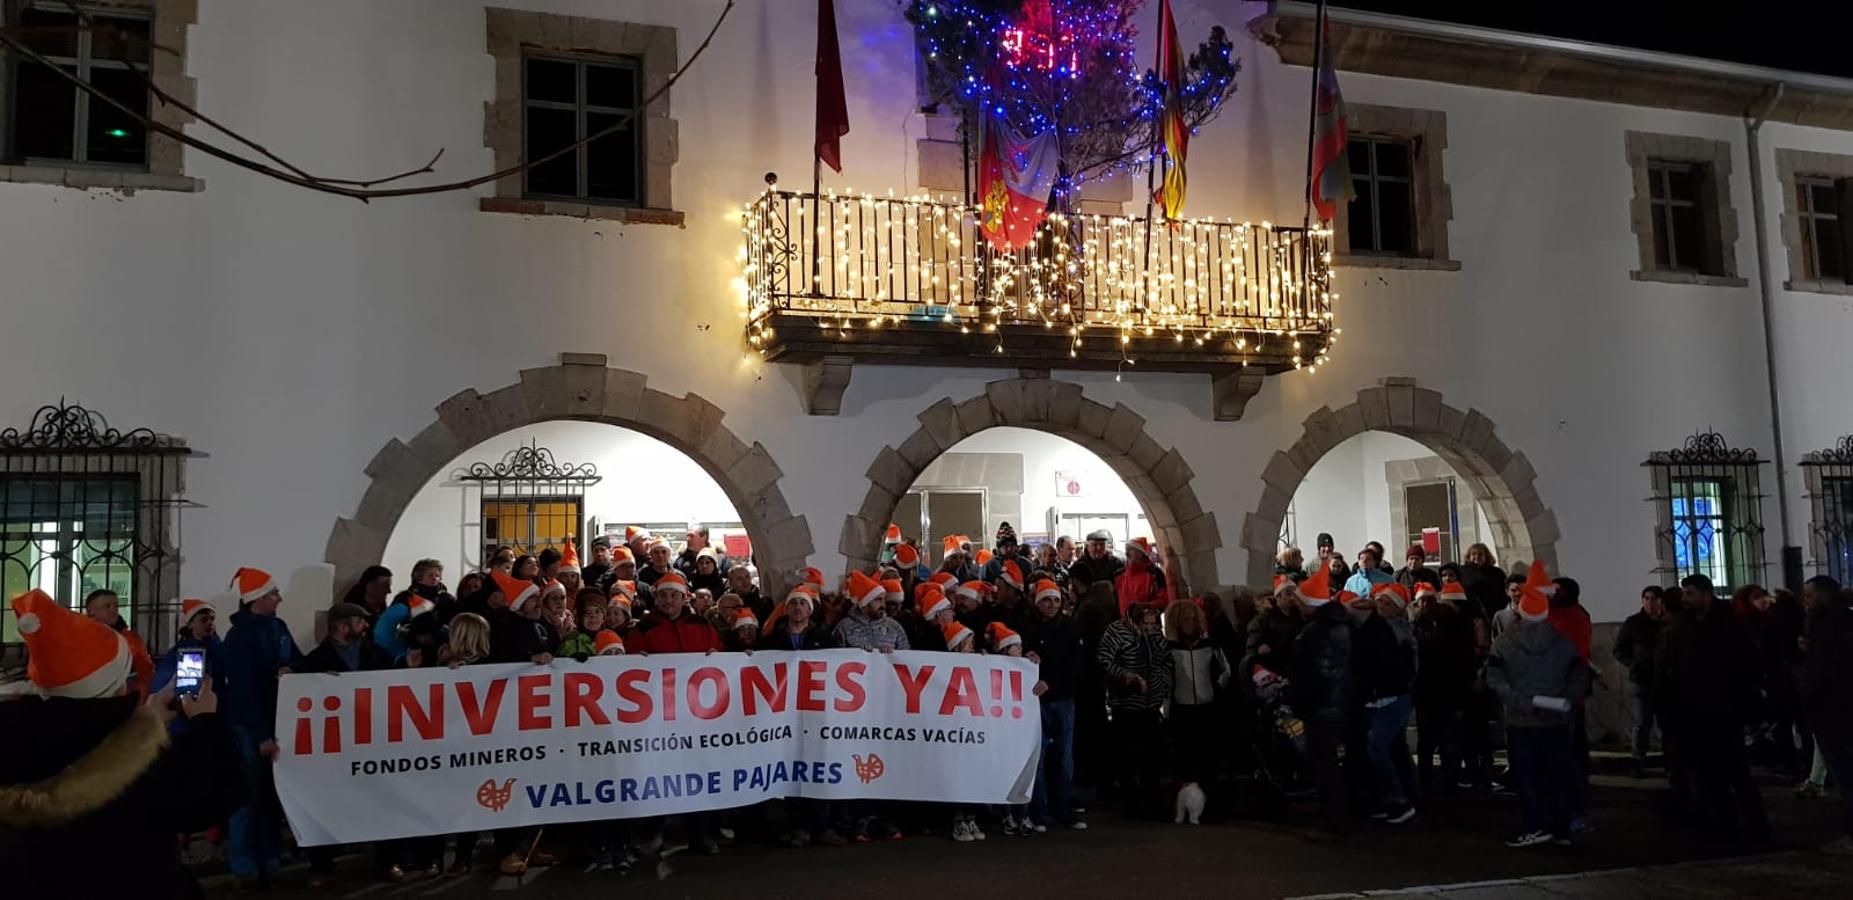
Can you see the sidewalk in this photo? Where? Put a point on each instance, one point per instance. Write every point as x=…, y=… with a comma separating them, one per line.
x=1795, y=874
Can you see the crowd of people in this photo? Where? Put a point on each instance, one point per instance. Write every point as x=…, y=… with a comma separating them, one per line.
x=1155, y=700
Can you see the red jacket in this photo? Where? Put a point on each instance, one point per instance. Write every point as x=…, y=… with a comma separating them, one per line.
x=1573, y=623
x=687, y=633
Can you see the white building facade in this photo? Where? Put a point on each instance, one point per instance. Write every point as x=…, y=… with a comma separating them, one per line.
x=328, y=357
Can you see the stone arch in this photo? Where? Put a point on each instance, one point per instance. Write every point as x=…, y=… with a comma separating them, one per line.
x=1501, y=479
x=580, y=388
x=1157, y=476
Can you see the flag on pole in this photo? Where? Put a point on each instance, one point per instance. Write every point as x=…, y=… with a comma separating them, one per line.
x=1015, y=177
x=1331, y=161
x=1171, y=127
x=832, y=108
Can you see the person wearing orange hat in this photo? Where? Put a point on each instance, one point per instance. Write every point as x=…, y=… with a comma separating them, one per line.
x=198, y=631
x=258, y=650
x=623, y=568
x=1384, y=659
x=1005, y=548
x=589, y=611
x=1003, y=640
x=1142, y=581
x=568, y=573
x=674, y=627
x=1321, y=691
x=743, y=635
x=906, y=557
x=1538, y=677
x=1051, y=638
x=1007, y=589
x=608, y=644
x=88, y=765
x=868, y=626
x=1446, y=668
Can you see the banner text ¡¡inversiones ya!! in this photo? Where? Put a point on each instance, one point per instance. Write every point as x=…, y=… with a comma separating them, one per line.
x=631, y=736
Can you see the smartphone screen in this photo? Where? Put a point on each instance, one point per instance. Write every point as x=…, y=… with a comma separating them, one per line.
x=191, y=668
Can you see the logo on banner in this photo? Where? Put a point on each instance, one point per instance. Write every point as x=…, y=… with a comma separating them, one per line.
x=495, y=798
x=871, y=769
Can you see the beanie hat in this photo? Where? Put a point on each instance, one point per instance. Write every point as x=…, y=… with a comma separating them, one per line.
x=420, y=606
x=896, y=593
x=622, y=555
x=1006, y=533
x=191, y=607
x=569, y=557
x=70, y=655
x=607, y=643
x=906, y=556
x=955, y=635
x=1316, y=590
x=250, y=584
x=1012, y=574
x=744, y=618
x=894, y=534
x=1001, y=636
x=671, y=581
x=513, y=589
x=931, y=601
x=1534, y=603
x=709, y=553
x=983, y=557
x=972, y=590
x=1047, y=588
x=862, y=589
x=1453, y=591
x=812, y=575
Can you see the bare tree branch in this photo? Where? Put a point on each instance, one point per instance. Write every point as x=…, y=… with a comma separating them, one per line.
x=363, y=191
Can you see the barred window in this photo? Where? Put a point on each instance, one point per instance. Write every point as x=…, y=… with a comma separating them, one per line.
x=1708, y=511
x=1829, y=476
x=85, y=507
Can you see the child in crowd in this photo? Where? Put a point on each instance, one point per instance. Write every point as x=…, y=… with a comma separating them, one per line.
x=582, y=643
x=960, y=639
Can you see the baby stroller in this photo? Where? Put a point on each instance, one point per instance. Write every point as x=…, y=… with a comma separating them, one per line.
x=1279, y=772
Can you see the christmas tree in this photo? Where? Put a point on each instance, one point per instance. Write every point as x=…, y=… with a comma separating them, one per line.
x=1066, y=65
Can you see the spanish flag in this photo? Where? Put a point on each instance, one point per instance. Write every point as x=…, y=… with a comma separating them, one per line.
x=1170, y=195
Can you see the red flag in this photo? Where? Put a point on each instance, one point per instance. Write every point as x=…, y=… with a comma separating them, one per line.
x=832, y=108
x=1331, y=161
x=1170, y=196
x=1015, y=176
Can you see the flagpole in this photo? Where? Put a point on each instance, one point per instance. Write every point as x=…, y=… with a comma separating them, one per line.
x=1145, y=261
x=1312, y=112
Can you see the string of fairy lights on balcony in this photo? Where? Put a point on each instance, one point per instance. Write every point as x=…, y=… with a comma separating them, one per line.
x=1102, y=286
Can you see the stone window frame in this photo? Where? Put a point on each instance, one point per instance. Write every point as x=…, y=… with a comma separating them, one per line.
x=1426, y=130
x=1644, y=147
x=512, y=33
x=1790, y=165
x=165, y=170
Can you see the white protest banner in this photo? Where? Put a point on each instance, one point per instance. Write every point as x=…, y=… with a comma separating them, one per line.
x=379, y=755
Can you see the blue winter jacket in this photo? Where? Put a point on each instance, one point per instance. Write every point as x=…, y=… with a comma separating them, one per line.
x=386, y=630
x=255, y=648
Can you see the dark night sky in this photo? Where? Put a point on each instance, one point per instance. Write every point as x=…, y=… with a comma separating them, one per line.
x=1799, y=35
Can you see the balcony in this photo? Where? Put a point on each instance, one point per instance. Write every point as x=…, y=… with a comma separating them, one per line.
x=840, y=279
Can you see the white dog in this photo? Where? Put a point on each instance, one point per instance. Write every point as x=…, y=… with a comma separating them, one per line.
x=1189, y=803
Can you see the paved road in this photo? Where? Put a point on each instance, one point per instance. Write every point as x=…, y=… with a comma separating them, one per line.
x=1453, y=843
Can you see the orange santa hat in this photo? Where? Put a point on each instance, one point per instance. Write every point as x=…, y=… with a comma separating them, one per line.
x=1534, y=603
x=931, y=600
x=894, y=533
x=1316, y=590
x=250, y=584
x=569, y=557
x=863, y=589
x=1012, y=574
x=906, y=556
x=1002, y=637
x=514, y=590
x=955, y=635
x=607, y=643
x=984, y=557
x=191, y=607
x=70, y=655
x=1048, y=588
x=896, y=592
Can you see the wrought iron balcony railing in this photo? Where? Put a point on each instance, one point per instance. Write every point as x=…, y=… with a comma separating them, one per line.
x=911, y=280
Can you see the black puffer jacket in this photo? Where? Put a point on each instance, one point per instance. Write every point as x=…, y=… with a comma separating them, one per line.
x=1635, y=645
x=1446, y=663
x=1321, y=684
x=1383, y=659
x=1058, y=644
x=1276, y=631
x=1706, y=672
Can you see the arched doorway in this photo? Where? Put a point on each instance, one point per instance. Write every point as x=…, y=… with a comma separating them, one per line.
x=580, y=388
x=1157, y=476
x=1500, y=479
